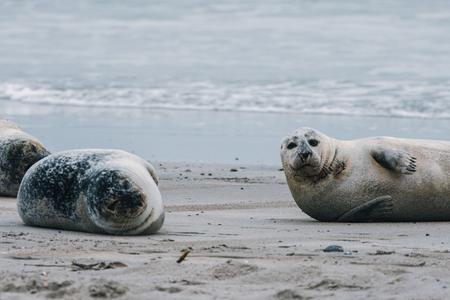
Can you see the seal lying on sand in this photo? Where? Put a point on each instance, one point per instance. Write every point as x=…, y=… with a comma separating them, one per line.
x=102, y=191
x=372, y=179
x=18, y=152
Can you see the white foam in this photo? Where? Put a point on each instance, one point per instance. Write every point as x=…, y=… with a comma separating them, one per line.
x=392, y=99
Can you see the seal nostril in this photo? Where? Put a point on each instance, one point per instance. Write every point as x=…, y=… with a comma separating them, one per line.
x=305, y=155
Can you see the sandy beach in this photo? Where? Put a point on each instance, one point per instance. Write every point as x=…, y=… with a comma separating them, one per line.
x=206, y=91
x=245, y=238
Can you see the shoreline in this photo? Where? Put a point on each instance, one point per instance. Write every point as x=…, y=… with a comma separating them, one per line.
x=246, y=238
x=201, y=136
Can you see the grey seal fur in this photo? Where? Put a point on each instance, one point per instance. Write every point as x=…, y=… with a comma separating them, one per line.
x=92, y=190
x=18, y=152
x=370, y=179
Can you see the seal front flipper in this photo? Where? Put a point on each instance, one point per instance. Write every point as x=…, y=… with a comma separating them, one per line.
x=395, y=160
x=372, y=210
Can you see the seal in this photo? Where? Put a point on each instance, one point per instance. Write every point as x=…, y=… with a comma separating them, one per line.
x=18, y=152
x=370, y=179
x=92, y=190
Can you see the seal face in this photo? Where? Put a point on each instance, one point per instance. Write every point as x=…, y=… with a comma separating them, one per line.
x=310, y=155
x=102, y=191
x=372, y=179
x=18, y=152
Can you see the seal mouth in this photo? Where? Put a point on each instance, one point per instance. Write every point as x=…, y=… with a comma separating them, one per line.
x=303, y=167
x=307, y=170
x=299, y=168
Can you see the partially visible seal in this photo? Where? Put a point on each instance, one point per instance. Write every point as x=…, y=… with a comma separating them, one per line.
x=101, y=191
x=371, y=179
x=18, y=152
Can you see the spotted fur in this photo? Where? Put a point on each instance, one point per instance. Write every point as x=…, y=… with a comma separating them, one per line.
x=103, y=191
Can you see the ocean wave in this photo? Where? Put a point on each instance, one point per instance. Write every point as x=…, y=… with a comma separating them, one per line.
x=390, y=99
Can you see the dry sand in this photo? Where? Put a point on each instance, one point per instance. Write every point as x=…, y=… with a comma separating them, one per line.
x=247, y=240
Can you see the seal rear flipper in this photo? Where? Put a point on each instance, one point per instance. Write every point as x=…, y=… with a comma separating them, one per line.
x=372, y=210
x=395, y=160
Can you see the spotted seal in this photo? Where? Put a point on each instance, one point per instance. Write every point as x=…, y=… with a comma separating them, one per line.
x=18, y=152
x=92, y=190
x=370, y=179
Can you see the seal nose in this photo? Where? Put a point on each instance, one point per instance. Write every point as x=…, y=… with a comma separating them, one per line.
x=305, y=154
x=126, y=207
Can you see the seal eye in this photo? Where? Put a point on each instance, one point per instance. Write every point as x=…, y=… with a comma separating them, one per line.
x=313, y=142
x=291, y=145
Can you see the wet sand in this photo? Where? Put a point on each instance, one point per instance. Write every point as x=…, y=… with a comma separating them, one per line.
x=199, y=136
x=244, y=238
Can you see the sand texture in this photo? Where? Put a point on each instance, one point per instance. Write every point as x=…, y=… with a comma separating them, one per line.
x=237, y=234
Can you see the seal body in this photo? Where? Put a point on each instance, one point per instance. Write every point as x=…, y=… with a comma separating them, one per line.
x=101, y=191
x=18, y=152
x=371, y=179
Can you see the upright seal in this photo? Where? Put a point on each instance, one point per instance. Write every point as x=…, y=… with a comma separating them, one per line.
x=371, y=179
x=101, y=191
x=18, y=152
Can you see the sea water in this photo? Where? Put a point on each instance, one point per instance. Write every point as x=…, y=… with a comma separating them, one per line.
x=213, y=80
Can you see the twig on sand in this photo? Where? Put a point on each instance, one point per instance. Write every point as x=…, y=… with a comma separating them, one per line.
x=185, y=253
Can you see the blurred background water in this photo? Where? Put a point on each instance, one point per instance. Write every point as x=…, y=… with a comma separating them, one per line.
x=245, y=69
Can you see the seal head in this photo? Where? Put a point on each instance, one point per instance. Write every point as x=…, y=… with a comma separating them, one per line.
x=307, y=154
x=120, y=201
